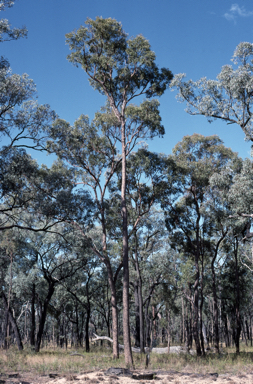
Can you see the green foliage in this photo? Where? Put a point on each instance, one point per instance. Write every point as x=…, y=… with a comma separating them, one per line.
x=118, y=67
x=22, y=121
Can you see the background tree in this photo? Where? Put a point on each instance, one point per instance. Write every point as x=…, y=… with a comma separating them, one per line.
x=193, y=162
x=22, y=121
x=6, y=32
x=228, y=98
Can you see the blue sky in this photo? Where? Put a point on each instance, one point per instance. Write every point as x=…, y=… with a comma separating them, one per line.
x=195, y=37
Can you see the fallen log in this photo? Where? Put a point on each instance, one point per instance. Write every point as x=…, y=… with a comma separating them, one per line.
x=174, y=349
x=76, y=354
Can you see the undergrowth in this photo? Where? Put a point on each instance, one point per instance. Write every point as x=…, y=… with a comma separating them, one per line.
x=61, y=361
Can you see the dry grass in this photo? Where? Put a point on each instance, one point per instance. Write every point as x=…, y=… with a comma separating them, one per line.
x=60, y=361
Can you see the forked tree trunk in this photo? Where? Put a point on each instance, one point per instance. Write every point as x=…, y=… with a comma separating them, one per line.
x=13, y=322
x=43, y=317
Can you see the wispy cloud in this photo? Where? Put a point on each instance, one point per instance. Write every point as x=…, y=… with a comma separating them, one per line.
x=236, y=11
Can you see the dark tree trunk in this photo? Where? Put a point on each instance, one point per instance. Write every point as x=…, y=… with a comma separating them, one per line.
x=196, y=309
x=141, y=316
x=13, y=323
x=196, y=252
x=215, y=309
x=78, y=341
x=88, y=311
x=247, y=329
x=33, y=323
x=250, y=327
x=226, y=333
x=112, y=283
x=87, y=340
x=140, y=297
x=115, y=329
x=168, y=328
x=215, y=299
x=244, y=333
x=148, y=324
x=5, y=330
x=137, y=315
x=187, y=329
x=65, y=328
x=61, y=329
x=43, y=317
x=201, y=308
x=183, y=322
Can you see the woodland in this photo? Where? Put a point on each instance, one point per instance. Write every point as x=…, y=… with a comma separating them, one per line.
x=147, y=249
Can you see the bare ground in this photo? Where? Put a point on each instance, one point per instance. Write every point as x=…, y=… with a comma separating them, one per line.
x=161, y=377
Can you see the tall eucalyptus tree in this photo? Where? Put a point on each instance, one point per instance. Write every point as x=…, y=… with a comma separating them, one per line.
x=121, y=69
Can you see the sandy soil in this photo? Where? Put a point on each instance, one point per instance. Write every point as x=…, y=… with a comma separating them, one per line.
x=100, y=377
